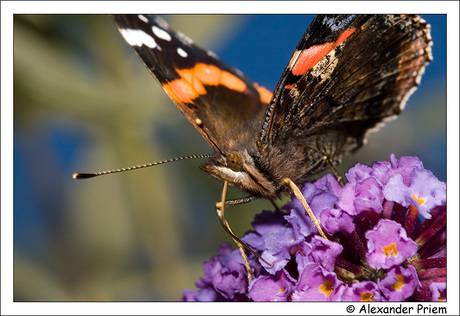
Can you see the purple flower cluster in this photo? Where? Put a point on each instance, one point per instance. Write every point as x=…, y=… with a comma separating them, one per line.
x=386, y=242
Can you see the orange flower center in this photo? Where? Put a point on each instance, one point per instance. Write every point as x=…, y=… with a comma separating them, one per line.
x=419, y=200
x=399, y=283
x=390, y=250
x=367, y=297
x=327, y=288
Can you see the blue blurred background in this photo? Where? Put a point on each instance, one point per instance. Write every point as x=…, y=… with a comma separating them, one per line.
x=84, y=102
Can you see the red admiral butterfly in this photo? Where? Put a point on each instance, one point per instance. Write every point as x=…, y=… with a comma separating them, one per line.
x=348, y=74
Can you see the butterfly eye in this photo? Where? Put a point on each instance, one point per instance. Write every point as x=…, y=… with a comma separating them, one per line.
x=234, y=162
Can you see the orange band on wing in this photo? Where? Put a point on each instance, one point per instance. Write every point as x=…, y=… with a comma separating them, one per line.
x=189, y=76
x=180, y=91
x=344, y=36
x=192, y=81
x=207, y=74
x=212, y=76
x=232, y=82
x=264, y=94
x=311, y=56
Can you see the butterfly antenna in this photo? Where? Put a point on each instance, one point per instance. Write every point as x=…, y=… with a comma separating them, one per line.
x=78, y=175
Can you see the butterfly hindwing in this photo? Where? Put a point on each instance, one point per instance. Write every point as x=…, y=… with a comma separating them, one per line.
x=218, y=100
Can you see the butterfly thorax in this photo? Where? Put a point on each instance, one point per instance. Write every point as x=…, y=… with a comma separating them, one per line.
x=262, y=170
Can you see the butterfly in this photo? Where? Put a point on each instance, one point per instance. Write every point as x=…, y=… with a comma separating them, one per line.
x=347, y=75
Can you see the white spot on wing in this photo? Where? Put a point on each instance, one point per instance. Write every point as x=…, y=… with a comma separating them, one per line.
x=161, y=33
x=182, y=52
x=138, y=38
x=143, y=18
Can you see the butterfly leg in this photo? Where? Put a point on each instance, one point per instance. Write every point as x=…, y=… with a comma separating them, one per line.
x=241, y=245
x=243, y=200
x=248, y=199
x=302, y=200
x=334, y=171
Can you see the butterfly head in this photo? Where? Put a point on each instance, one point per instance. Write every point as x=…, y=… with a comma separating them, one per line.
x=240, y=170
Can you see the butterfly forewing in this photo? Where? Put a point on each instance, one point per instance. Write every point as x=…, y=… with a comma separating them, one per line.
x=218, y=100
